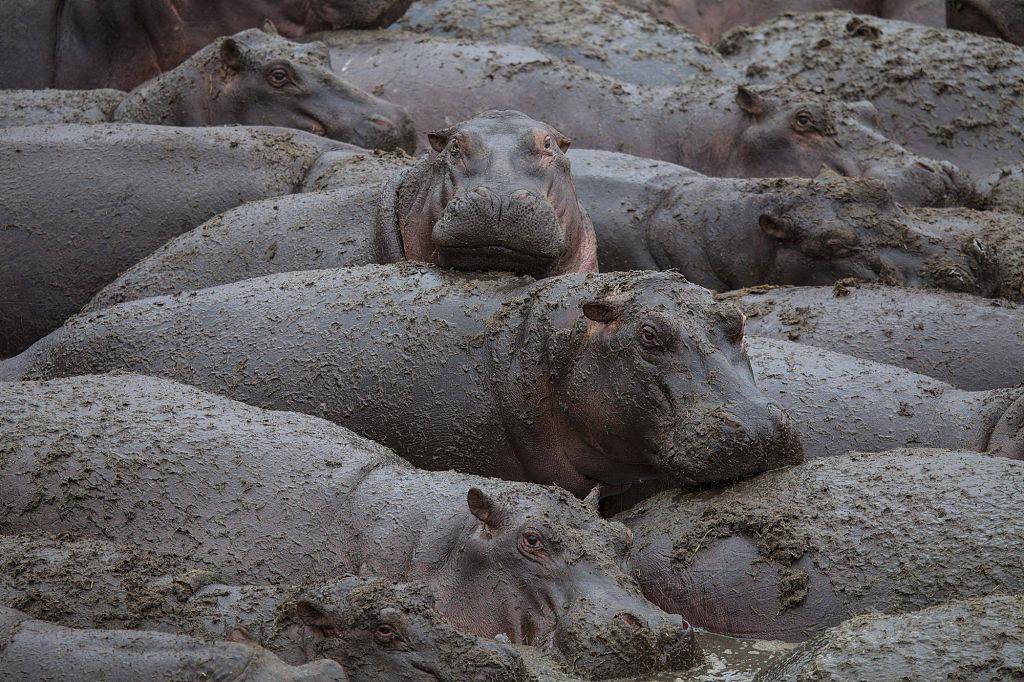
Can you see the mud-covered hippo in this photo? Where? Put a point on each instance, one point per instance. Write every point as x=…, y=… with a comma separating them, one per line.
x=602, y=36
x=251, y=78
x=82, y=44
x=996, y=18
x=709, y=19
x=727, y=233
x=266, y=497
x=82, y=203
x=794, y=551
x=941, y=93
x=373, y=628
x=1004, y=189
x=840, y=404
x=33, y=650
x=712, y=124
x=496, y=193
x=572, y=380
x=969, y=343
x=977, y=639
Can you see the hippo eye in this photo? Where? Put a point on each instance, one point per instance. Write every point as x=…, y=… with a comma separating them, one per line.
x=649, y=336
x=386, y=634
x=548, y=144
x=837, y=248
x=279, y=76
x=531, y=542
x=803, y=121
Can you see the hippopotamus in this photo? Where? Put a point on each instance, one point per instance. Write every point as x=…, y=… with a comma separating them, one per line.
x=495, y=193
x=374, y=628
x=602, y=36
x=841, y=404
x=941, y=93
x=727, y=233
x=996, y=18
x=80, y=44
x=709, y=19
x=1004, y=189
x=797, y=550
x=33, y=650
x=496, y=375
x=84, y=202
x=250, y=78
x=971, y=344
x=978, y=639
x=712, y=124
x=266, y=497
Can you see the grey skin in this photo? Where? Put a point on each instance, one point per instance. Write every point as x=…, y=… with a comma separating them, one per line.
x=601, y=36
x=33, y=650
x=281, y=498
x=971, y=639
x=82, y=203
x=81, y=44
x=1004, y=189
x=969, y=343
x=941, y=93
x=726, y=233
x=495, y=194
x=373, y=628
x=712, y=124
x=996, y=18
x=841, y=404
x=574, y=380
x=250, y=78
x=797, y=550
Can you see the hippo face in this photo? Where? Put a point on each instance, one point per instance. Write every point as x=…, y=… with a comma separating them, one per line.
x=379, y=630
x=497, y=193
x=660, y=385
x=997, y=18
x=268, y=80
x=819, y=231
x=543, y=569
x=784, y=133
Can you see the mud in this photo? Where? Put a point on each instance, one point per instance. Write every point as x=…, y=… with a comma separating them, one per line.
x=794, y=551
x=969, y=343
x=1004, y=190
x=974, y=639
x=941, y=93
x=39, y=107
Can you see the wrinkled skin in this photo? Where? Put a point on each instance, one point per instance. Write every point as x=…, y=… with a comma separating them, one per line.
x=709, y=19
x=602, y=36
x=940, y=93
x=527, y=561
x=841, y=404
x=978, y=639
x=491, y=198
x=373, y=628
x=711, y=124
x=726, y=233
x=971, y=344
x=794, y=551
x=251, y=78
x=33, y=650
x=82, y=44
x=996, y=18
x=574, y=380
x=82, y=203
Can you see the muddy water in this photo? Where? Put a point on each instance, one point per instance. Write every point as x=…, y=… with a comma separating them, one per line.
x=728, y=659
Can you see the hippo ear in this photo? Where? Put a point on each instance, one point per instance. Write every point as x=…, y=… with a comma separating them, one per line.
x=563, y=142
x=775, y=228
x=749, y=100
x=231, y=54
x=483, y=507
x=313, y=616
x=602, y=310
x=269, y=28
x=240, y=636
x=439, y=138
x=593, y=499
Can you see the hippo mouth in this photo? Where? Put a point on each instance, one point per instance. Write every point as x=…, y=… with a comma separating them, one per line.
x=494, y=257
x=314, y=125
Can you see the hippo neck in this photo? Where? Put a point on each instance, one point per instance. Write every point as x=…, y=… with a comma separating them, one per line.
x=180, y=97
x=203, y=22
x=710, y=122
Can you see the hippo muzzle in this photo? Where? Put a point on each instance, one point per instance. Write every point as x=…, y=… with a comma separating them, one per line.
x=484, y=230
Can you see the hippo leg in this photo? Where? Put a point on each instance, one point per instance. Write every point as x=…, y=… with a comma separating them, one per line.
x=1007, y=438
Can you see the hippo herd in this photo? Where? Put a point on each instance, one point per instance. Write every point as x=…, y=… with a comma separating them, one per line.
x=509, y=340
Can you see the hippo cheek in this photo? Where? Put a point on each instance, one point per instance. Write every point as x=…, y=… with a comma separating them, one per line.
x=734, y=440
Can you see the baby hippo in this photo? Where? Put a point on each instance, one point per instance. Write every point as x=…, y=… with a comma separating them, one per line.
x=495, y=193
x=33, y=650
x=375, y=629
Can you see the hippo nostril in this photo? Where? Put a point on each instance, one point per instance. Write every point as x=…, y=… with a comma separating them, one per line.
x=521, y=195
x=381, y=122
x=729, y=420
x=927, y=167
x=630, y=620
x=481, y=192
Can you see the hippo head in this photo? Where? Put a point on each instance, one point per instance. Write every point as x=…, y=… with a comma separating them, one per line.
x=538, y=566
x=818, y=231
x=495, y=193
x=379, y=630
x=656, y=383
x=259, y=78
x=996, y=18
